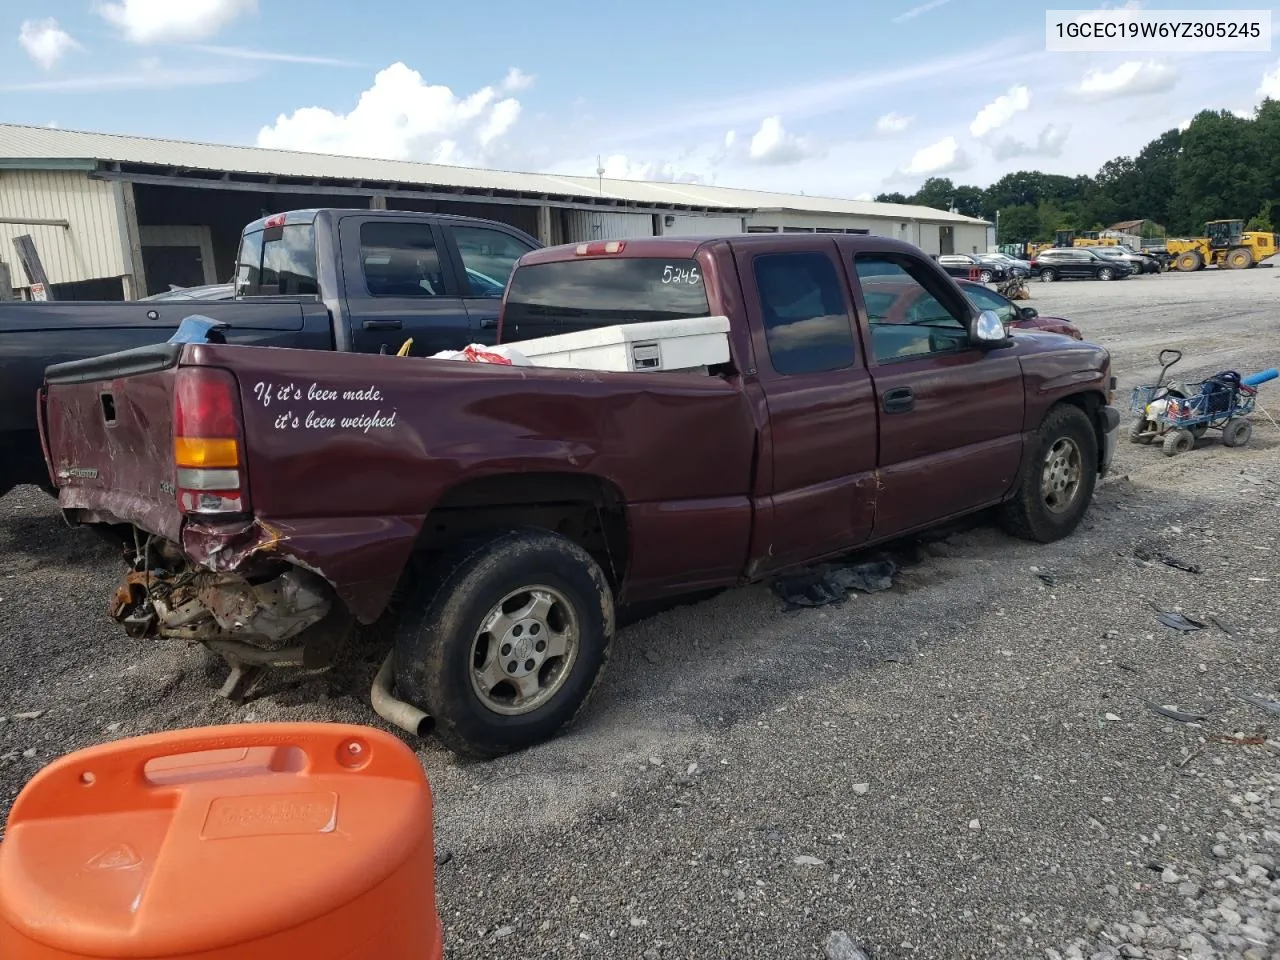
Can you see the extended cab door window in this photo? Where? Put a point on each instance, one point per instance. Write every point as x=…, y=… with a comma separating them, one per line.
x=907, y=319
x=399, y=287
x=806, y=322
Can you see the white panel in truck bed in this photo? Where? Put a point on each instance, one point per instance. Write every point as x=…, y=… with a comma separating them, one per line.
x=683, y=344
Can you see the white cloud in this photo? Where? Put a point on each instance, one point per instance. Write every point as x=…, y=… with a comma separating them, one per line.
x=46, y=42
x=916, y=11
x=273, y=56
x=173, y=21
x=774, y=144
x=1132, y=78
x=1049, y=143
x=401, y=117
x=1270, y=86
x=621, y=167
x=893, y=123
x=945, y=156
x=148, y=76
x=517, y=79
x=1000, y=111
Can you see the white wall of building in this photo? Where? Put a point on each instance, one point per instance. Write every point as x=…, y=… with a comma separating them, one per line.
x=88, y=249
x=693, y=225
x=582, y=225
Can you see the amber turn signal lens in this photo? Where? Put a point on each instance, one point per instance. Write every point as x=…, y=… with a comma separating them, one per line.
x=201, y=452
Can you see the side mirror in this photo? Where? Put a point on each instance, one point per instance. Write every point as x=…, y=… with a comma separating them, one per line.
x=1028, y=313
x=987, y=330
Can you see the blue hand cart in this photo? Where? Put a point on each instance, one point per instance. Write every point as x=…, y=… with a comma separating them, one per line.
x=1182, y=413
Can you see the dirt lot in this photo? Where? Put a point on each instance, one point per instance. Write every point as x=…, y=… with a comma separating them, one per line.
x=963, y=766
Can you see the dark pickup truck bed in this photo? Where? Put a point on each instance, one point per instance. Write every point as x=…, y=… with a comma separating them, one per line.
x=345, y=280
x=283, y=495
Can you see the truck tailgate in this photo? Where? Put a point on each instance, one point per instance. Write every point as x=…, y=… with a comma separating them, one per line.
x=109, y=434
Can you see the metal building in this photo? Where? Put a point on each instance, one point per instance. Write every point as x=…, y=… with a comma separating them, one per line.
x=116, y=217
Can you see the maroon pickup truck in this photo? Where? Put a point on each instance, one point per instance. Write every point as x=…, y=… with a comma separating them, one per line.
x=272, y=499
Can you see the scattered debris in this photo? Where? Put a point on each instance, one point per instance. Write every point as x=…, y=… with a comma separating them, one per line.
x=975, y=824
x=1177, y=621
x=1112, y=718
x=1149, y=554
x=1238, y=741
x=1173, y=713
x=1271, y=706
x=830, y=584
x=804, y=860
x=28, y=715
x=861, y=789
x=443, y=856
x=840, y=946
x=1222, y=625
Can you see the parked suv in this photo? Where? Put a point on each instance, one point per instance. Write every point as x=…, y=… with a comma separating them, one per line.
x=978, y=267
x=1076, y=263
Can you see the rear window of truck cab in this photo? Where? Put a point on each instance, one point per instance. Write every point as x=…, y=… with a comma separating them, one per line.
x=278, y=261
x=545, y=299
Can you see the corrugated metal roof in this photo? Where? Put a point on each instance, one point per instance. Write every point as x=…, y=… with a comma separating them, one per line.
x=44, y=143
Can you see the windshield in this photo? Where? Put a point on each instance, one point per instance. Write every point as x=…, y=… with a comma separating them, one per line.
x=551, y=298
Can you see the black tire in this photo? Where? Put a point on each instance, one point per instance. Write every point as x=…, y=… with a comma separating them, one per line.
x=1027, y=515
x=1138, y=432
x=437, y=638
x=985, y=276
x=1106, y=273
x=1178, y=441
x=1048, y=275
x=1236, y=432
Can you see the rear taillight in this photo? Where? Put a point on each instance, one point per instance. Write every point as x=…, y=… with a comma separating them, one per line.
x=207, y=448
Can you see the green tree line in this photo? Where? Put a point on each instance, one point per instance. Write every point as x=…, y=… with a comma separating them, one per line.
x=1222, y=167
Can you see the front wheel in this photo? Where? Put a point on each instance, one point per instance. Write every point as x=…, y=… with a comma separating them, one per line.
x=1178, y=441
x=1057, y=482
x=506, y=651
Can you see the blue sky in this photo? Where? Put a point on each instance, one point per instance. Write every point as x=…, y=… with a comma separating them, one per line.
x=830, y=97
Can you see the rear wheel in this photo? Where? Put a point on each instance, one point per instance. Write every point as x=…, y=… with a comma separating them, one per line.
x=986, y=276
x=1048, y=275
x=1240, y=258
x=1057, y=482
x=1189, y=262
x=1236, y=432
x=508, y=648
x=1178, y=441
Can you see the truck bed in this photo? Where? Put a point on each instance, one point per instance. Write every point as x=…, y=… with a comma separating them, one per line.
x=35, y=335
x=355, y=450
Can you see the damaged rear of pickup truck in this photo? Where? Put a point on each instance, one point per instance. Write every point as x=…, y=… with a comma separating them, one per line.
x=270, y=501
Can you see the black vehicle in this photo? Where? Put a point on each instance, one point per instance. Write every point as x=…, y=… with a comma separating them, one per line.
x=1140, y=262
x=976, y=267
x=362, y=281
x=1077, y=263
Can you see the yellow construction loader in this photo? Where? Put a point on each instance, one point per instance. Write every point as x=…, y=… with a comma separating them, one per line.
x=1226, y=244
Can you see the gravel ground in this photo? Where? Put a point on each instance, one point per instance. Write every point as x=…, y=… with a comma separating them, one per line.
x=968, y=765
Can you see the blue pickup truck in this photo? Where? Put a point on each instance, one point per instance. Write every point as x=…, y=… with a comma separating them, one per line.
x=362, y=281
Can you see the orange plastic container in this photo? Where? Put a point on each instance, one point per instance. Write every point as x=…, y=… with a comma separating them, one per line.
x=254, y=842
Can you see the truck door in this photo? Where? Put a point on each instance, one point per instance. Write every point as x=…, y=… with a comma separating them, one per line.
x=400, y=285
x=950, y=414
x=484, y=258
x=818, y=475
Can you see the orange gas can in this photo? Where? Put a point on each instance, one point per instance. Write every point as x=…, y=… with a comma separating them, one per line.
x=255, y=842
